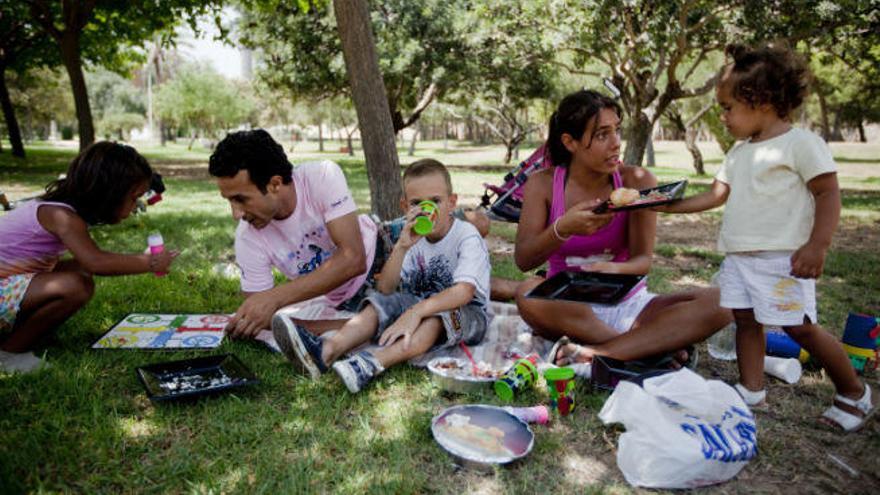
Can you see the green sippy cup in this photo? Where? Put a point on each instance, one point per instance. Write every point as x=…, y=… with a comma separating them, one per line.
x=425, y=221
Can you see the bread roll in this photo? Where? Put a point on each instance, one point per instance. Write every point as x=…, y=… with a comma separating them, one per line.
x=624, y=196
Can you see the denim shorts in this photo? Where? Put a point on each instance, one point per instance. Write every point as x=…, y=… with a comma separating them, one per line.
x=466, y=324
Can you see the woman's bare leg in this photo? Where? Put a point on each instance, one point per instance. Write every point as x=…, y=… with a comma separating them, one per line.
x=553, y=319
x=669, y=323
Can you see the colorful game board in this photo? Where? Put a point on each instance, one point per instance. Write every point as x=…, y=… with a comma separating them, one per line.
x=165, y=331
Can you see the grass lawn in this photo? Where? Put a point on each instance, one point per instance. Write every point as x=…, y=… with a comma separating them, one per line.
x=85, y=425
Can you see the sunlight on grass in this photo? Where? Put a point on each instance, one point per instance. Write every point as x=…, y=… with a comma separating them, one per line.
x=137, y=428
x=583, y=470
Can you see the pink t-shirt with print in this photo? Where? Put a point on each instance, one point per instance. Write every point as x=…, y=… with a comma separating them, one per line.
x=300, y=243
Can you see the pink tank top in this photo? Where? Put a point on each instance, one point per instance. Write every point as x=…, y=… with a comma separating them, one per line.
x=23, y=238
x=610, y=242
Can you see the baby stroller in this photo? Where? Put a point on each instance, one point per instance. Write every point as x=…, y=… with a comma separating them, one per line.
x=504, y=202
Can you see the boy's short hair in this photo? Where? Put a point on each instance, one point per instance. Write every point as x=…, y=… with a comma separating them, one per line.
x=427, y=166
x=770, y=73
x=254, y=151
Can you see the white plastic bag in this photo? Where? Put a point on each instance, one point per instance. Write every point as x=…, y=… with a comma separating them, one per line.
x=682, y=431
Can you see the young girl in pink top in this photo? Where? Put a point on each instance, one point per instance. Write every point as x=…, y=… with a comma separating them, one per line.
x=37, y=291
x=557, y=225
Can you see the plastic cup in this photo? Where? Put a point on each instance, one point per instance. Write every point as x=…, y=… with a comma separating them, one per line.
x=560, y=383
x=424, y=223
x=522, y=375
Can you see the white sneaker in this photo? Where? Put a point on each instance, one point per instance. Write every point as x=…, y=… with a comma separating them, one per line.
x=21, y=362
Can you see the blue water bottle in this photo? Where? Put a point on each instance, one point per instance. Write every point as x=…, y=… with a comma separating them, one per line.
x=779, y=344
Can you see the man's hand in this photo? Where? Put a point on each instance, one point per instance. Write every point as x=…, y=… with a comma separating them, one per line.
x=405, y=327
x=808, y=261
x=254, y=314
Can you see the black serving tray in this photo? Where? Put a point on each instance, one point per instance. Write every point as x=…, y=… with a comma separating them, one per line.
x=588, y=287
x=606, y=373
x=671, y=192
x=193, y=378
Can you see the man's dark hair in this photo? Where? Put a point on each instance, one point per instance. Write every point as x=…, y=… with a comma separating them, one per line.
x=254, y=151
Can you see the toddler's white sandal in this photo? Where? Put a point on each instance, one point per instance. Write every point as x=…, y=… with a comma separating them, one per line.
x=749, y=397
x=848, y=421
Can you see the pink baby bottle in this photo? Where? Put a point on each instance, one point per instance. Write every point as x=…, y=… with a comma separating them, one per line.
x=157, y=245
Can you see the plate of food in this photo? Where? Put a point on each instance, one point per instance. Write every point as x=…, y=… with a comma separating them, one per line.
x=192, y=378
x=624, y=198
x=481, y=437
x=459, y=376
x=588, y=287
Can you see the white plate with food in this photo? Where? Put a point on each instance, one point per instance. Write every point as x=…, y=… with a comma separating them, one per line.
x=458, y=375
x=480, y=436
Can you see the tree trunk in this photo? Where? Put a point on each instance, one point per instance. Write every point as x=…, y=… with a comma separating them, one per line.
x=9, y=116
x=350, y=145
x=412, y=142
x=649, y=151
x=690, y=141
x=320, y=136
x=70, y=55
x=861, y=128
x=371, y=103
x=637, y=134
x=823, y=112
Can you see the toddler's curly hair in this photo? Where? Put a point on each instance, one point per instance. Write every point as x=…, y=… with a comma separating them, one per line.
x=770, y=73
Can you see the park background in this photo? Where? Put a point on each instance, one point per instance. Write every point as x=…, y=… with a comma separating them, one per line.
x=471, y=84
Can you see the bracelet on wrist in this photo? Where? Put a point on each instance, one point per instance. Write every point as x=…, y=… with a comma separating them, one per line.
x=557, y=234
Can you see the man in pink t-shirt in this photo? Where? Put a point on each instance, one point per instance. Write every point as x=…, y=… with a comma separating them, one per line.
x=302, y=222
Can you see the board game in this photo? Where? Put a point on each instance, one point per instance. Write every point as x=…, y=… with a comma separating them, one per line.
x=165, y=331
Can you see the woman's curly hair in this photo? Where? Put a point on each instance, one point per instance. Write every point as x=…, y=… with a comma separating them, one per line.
x=770, y=73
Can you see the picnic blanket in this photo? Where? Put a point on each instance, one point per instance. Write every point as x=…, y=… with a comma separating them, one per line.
x=507, y=338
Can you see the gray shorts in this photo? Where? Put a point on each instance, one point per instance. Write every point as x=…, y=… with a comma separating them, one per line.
x=465, y=324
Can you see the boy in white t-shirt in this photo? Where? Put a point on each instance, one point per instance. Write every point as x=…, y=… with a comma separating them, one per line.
x=443, y=282
x=782, y=207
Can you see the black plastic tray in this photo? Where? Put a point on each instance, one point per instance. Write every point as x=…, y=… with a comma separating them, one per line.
x=606, y=373
x=673, y=192
x=192, y=378
x=589, y=287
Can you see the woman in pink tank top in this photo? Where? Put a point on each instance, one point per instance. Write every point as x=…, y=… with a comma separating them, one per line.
x=557, y=226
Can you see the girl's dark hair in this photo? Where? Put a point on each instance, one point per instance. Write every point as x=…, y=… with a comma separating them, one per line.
x=770, y=73
x=99, y=180
x=254, y=151
x=572, y=117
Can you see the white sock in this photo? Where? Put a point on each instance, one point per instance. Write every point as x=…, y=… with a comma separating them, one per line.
x=20, y=362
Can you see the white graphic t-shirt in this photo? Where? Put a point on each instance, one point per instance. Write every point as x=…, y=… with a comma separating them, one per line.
x=300, y=243
x=461, y=256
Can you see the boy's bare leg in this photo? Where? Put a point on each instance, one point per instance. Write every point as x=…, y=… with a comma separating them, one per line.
x=355, y=332
x=750, y=349
x=51, y=298
x=320, y=327
x=422, y=340
x=827, y=350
